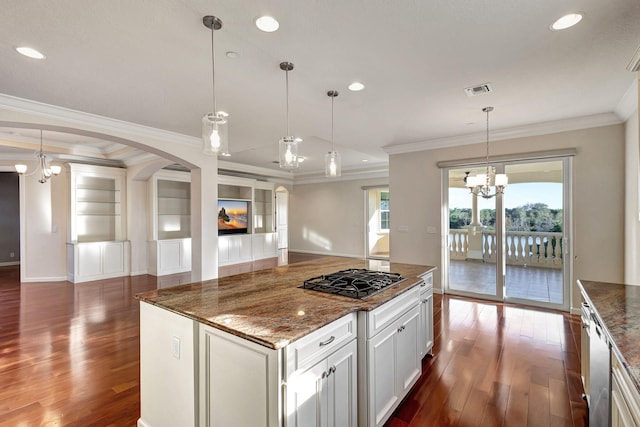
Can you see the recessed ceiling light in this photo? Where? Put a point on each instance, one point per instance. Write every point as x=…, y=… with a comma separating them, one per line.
x=30, y=52
x=567, y=21
x=356, y=86
x=365, y=160
x=268, y=24
x=232, y=54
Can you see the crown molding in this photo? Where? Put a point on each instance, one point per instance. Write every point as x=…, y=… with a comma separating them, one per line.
x=628, y=104
x=536, y=129
x=79, y=118
x=255, y=171
x=378, y=171
x=634, y=64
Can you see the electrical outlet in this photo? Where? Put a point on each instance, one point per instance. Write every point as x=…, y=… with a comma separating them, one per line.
x=12, y=254
x=175, y=347
x=431, y=229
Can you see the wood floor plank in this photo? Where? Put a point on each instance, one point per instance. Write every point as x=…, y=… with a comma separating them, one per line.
x=69, y=356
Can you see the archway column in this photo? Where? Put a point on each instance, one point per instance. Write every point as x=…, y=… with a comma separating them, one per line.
x=204, y=220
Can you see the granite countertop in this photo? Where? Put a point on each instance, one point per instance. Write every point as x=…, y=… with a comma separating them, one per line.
x=618, y=306
x=267, y=306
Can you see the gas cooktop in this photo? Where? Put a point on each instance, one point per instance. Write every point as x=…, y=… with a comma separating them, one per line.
x=353, y=283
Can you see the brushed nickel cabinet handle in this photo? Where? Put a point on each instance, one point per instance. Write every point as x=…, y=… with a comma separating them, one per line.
x=327, y=342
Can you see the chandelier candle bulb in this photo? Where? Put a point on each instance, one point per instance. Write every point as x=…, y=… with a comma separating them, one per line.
x=502, y=180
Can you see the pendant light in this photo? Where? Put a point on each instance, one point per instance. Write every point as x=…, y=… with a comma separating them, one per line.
x=46, y=171
x=288, y=145
x=214, y=124
x=332, y=162
x=481, y=183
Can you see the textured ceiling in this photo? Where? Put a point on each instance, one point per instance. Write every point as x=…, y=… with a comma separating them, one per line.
x=149, y=62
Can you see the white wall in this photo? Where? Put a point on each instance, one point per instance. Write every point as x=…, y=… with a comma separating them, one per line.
x=137, y=222
x=44, y=238
x=632, y=197
x=598, y=199
x=329, y=217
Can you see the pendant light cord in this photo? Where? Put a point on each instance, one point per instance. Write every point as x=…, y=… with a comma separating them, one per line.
x=487, y=146
x=213, y=68
x=40, y=141
x=287, y=83
x=333, y=147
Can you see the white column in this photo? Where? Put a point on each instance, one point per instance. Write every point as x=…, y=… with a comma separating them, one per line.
x=475, y=230
x=204, y=220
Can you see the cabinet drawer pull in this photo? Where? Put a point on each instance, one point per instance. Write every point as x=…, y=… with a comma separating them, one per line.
x=401, y=328
x=423, y=284
x=327, y=342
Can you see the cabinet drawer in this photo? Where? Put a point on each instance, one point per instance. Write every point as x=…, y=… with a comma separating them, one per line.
x=426, y=288
x=428, y=279
x=627, y=387
x=378, y=319
x=317, y=345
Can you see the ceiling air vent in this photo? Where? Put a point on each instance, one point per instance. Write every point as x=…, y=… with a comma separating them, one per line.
x=478, y=90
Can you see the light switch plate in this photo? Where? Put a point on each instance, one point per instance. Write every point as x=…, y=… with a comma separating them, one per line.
x=175, y=347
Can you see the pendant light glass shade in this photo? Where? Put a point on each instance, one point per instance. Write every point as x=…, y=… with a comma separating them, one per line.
x=288, y=152
x=215, y=138
x=288, y=145
x=332, y=164
x=332, y=161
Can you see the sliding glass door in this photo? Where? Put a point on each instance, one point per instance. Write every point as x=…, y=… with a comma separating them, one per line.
x=511, y=247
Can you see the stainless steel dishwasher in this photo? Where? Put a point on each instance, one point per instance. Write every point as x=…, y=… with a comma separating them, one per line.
x=600, y=375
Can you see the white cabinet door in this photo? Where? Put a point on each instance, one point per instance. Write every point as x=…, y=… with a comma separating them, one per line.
x=408, y=362
x=325, y=395
x=383, y=393
x=342, y=387
x=426, y=324
x=307, y=397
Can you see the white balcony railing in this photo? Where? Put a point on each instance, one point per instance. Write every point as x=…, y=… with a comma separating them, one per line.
x=526, y=248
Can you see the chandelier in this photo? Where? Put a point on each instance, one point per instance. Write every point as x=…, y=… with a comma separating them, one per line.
x=480, y=184
x=332, y=163
x=46, y=171
x=214, y=124
x=288, y=145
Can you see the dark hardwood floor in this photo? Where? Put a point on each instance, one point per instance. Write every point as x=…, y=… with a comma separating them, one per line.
x=69, y=356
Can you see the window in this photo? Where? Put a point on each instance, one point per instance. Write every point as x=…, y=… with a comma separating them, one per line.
x=384, y=210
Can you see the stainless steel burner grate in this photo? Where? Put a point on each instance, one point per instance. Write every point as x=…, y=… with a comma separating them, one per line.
x=353, y=283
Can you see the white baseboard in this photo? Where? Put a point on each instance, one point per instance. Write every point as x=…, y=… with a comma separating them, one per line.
x=7, y=264
x=303, y=251
x=138, y=273
x=43, y=279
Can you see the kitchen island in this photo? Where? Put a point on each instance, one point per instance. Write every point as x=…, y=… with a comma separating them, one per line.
x=256, y=349
x=611, y=314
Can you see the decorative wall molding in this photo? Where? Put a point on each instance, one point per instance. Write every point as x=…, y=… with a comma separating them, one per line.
x=628, y=104
x=79, y=118
x=536, y=129
x=380, y=170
